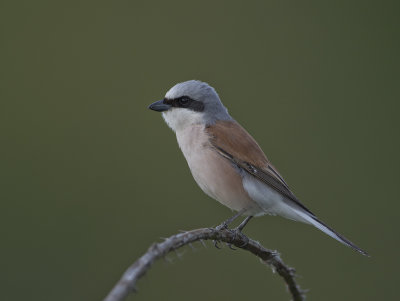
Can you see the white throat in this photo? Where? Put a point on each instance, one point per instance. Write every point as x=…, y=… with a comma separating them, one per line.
x=179, y=118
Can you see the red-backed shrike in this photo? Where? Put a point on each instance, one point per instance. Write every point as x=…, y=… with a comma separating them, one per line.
x=226, y=162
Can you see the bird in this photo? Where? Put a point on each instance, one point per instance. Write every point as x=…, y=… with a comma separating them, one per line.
x=227, y=163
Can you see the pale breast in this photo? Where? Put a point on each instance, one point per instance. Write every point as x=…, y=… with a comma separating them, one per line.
x=215, y=175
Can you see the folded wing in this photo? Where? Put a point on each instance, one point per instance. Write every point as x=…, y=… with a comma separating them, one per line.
x=233, y=142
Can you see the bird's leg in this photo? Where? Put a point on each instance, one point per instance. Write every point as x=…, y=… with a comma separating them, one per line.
x=225, y=224
x=244, y=223
x=238, y=230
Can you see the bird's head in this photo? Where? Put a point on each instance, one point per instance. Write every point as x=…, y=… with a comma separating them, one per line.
x=191, y=102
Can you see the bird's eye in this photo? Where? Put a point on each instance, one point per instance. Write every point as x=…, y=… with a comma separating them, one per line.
x=184, y=100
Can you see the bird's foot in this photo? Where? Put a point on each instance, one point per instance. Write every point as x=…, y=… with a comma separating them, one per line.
x=238, y=231
x=216, y=244
x=231, y=247
x=222, y=226
x=242, y=238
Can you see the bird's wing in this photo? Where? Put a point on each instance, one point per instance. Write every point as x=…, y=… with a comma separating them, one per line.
x=234, y=143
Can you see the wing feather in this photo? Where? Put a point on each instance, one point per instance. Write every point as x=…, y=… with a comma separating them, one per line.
x=234, y=143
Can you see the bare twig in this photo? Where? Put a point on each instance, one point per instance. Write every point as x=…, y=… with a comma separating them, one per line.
x=128, y=281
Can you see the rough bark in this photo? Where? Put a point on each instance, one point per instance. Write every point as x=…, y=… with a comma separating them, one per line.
x=235, y=238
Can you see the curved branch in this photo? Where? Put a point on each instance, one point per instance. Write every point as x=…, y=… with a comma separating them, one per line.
x=128, y=281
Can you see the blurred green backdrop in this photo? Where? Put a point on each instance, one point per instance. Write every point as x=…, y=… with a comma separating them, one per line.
x=88, y=173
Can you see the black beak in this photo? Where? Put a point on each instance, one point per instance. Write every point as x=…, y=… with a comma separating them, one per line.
x=159, y=106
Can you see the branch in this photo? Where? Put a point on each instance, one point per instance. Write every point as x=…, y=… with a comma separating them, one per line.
x=128, y=281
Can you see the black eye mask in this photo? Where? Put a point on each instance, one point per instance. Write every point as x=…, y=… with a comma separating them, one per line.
x=185, y=102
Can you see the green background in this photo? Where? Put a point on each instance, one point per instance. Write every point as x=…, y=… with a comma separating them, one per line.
x=90, y=177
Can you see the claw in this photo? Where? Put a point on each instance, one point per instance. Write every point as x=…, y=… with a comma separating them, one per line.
x=238, y=235
x=230, y=247
x=215, y=242
x=245, y=243
x=222, y=226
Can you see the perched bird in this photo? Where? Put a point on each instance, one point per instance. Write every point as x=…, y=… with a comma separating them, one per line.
x=226, y=162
